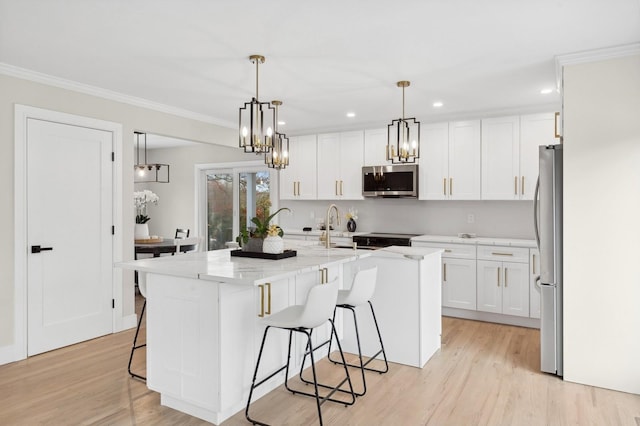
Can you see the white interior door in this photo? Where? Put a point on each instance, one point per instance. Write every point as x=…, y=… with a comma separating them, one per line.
x=69, y=216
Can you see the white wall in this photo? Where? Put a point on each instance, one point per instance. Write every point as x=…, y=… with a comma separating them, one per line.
x=508, y=219
x=601, y=224
x=19, y=91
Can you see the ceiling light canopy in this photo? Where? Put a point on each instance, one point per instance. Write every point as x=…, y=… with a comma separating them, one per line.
x=278, y=156
x=148, y=172
x=403, y=136
x=257, y=120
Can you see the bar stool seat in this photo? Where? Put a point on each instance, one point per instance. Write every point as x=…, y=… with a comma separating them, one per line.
x=361, y=292
x=303, y=319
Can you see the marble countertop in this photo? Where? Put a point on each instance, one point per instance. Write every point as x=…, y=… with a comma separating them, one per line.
x=218, y=265
x=509, y=242
x=413, y=253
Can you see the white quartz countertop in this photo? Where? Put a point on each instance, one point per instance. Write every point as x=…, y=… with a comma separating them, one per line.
x=218, y=265
x=509, y=242
x=413, y=253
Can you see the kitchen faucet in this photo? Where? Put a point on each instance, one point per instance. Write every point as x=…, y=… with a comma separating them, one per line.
x=327, y=241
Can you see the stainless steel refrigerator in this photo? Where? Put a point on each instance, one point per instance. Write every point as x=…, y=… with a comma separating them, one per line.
x=548, y=229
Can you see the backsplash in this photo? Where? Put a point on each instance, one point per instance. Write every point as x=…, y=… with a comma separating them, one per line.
x=501, y=219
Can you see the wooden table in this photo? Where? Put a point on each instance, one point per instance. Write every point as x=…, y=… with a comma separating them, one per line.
x=167, y=245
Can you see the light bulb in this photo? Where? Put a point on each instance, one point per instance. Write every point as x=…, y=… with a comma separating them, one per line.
x=414, y=144
x=269, y=132
x=245, y=132
x=285, y=154
x=141, y=171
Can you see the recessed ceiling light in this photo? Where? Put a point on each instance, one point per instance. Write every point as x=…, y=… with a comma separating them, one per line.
x=351, y=114
x=546, y=91
x=281, y=123
x=437, y=104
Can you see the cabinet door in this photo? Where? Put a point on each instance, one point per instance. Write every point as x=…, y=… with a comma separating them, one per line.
x=501, y=158
x=305, y=157
x=535, y=130
x=328, y=166
x=351, y=160
x=490, y=282
x=459, y=283
x=534, y=288
x=288, y=177
x=269, y=299
x=464, y=160
x=375, y=147
x=515, y=292
x=434, y=164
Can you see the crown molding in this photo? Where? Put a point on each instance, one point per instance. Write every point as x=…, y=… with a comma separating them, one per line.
x=38, y=77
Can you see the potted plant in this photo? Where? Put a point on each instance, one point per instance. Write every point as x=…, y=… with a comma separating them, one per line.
x=273, y=243
x=141, y=199
x=261, y=231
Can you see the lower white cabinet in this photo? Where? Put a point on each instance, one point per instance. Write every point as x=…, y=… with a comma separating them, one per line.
x=503, y=287
x=534, y=284
x=458, y=283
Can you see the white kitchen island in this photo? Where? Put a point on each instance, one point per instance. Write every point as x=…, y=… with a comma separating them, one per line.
x=203, y=321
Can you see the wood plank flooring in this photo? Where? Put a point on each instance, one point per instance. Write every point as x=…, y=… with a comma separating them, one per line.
x=485, y=374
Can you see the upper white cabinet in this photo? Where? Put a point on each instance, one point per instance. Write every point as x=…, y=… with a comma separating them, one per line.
x=535, y=130
x=451, y=165
x=298, y=180
x=375, y=147
x=501, y=178
x=340, y=160
x=510, y=154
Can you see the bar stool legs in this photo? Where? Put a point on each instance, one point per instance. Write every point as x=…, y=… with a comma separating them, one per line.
x=363, y=365
x=134, y=347
x=308, y=351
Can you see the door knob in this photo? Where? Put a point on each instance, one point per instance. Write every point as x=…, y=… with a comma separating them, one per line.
x=38, y=249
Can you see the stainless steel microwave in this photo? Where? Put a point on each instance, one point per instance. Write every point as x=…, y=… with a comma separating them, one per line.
x=391, y=181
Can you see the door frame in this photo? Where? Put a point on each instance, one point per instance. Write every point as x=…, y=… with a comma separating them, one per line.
x=22, y=114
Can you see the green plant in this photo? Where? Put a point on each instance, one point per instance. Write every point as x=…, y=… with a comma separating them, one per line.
x=262, y=226
x=243, y=238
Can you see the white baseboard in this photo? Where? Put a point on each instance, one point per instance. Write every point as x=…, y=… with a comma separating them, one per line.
x=9, y=354
x=491, y=317
x=130, y=321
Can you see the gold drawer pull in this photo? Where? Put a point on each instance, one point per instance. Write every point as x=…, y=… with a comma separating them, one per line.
x=498, y=277
x=501, y=254
x=533, y=263
x=444, y=186
x=268, y=312
x=448, y=250
x=515, y=185
x=444, y=272
x=450, y=186
x=261, y=314
x=522, y=186
x=505, y=277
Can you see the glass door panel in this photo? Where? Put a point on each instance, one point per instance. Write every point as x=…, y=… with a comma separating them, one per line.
x=219, y=210
x=254, y=194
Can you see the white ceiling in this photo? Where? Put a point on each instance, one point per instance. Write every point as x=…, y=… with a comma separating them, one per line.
x=324, y=58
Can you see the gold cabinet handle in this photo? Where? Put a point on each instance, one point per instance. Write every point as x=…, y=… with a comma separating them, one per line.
x=336, y=190
x=294, y=189
x=261, y=314
x=268, y=311
x=498, y=277
x=298, y=188
x=444, y=272
x=515, y=185
x=450, y=186
x=501, y=254
x=505, y=277
x=444, y=186
x=447, y=250
x=341, y=193
x=522, y=185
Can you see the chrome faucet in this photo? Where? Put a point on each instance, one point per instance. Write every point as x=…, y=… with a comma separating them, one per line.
x=327, y=242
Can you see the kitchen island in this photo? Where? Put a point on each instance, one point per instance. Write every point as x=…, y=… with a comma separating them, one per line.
x=203, y=321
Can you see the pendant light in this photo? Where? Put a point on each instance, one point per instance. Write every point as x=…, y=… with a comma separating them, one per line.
x=403, y=136
x=144, y=172
x=257, y=120
x=278, y=157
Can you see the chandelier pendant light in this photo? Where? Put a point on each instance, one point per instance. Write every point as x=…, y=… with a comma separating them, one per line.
x=403, y=136
x=278, y=157
x=257, y=120
x=145, y=172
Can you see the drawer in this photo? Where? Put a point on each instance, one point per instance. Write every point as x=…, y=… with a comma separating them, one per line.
x=503, y=253
x=457, y=251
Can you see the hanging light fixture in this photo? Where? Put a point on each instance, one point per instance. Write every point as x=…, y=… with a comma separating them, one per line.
x=403, y=136
x=278, y=157
x=144, y=172
x=257, y=120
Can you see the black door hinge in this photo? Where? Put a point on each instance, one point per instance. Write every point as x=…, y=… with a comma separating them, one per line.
x=113, y=156
x=113, y=230
x=113, y=303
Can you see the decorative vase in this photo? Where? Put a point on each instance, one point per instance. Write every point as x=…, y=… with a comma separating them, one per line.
x=351, y=225
x=254, y=244
x=141, y=231
x=273, y=245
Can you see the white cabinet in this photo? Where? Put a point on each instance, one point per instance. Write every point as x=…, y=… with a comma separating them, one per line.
x=501, y=178
x=340, y=161
x=503, y=280
x=510, y=154
x=458, y=274
x=535, y=130
x=451, y=163
x=534, y=288
x=298, y=180
x=375, y=147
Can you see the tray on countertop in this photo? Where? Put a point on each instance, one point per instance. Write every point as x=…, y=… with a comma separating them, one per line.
x=260, y=255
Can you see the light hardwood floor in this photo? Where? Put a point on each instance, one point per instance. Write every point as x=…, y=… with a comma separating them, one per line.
x=485, y=374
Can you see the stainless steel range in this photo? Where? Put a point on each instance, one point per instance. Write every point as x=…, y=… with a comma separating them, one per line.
x=380, y=239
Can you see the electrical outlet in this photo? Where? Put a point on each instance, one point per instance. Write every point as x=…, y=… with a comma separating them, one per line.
x=471, y=218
